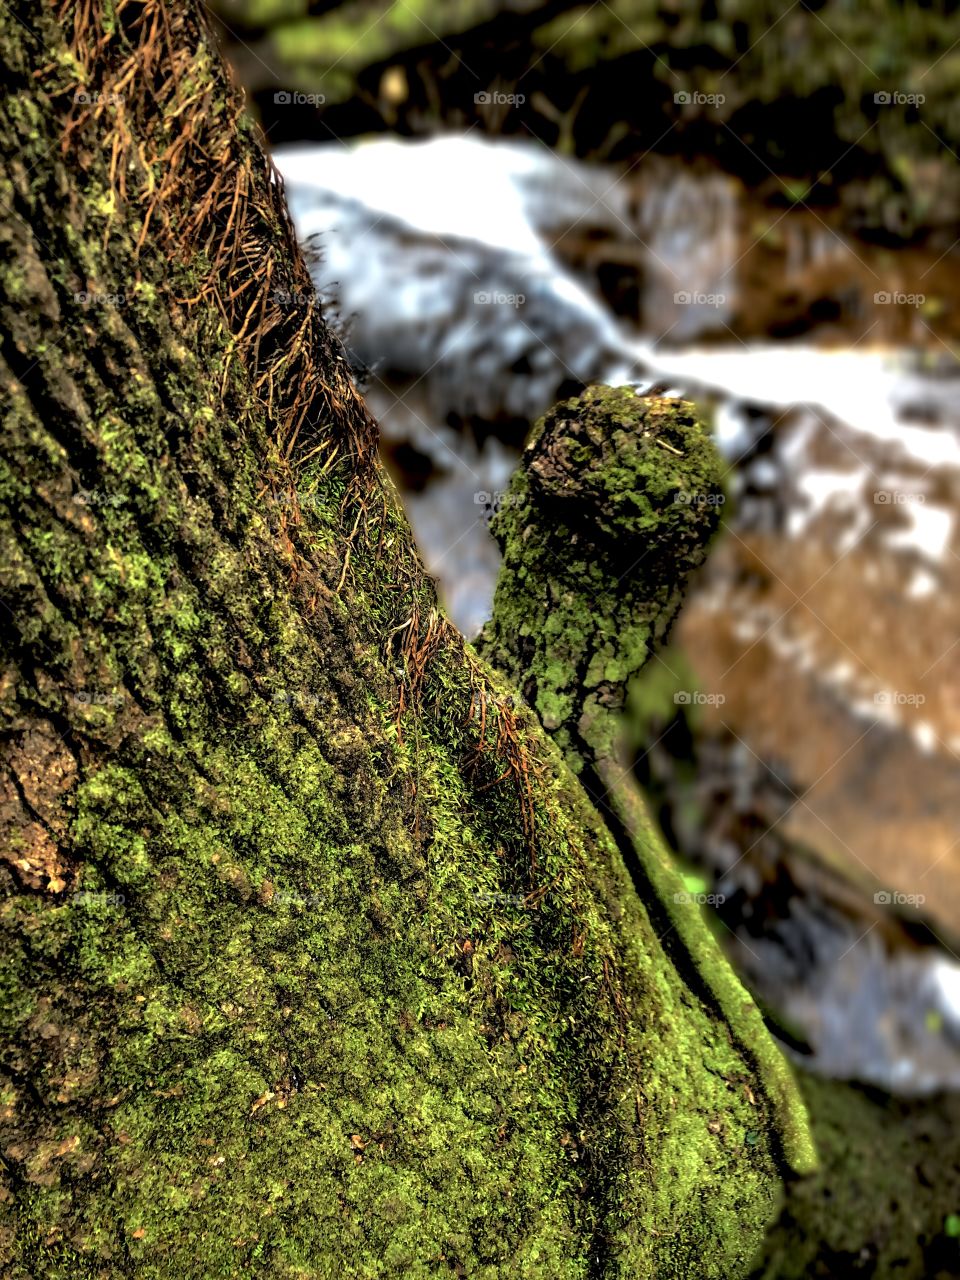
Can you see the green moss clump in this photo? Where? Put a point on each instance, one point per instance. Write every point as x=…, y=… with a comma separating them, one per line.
x=612, y=508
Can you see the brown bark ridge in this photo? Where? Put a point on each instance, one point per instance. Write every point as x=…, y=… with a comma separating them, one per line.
x=316, y=959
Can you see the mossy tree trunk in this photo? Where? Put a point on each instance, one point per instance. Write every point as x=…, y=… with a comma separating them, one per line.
x=316, y=958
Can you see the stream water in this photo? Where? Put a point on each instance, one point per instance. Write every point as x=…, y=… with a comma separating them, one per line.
x=474, y=284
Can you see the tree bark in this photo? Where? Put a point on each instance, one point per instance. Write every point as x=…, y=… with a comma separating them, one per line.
x=317, y=959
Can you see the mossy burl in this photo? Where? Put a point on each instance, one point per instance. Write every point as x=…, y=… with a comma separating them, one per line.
x=613, y=505
x=305, y=972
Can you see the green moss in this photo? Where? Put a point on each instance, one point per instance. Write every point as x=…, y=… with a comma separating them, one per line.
x=324, y=962
x=599, y=534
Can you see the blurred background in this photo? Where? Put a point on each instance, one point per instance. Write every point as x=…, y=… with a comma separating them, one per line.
x=754, y=206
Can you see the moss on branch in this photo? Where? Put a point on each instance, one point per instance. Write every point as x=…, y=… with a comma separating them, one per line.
x=611, y=510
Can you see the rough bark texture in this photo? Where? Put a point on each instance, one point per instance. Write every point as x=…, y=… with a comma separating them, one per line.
x=316, y=959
